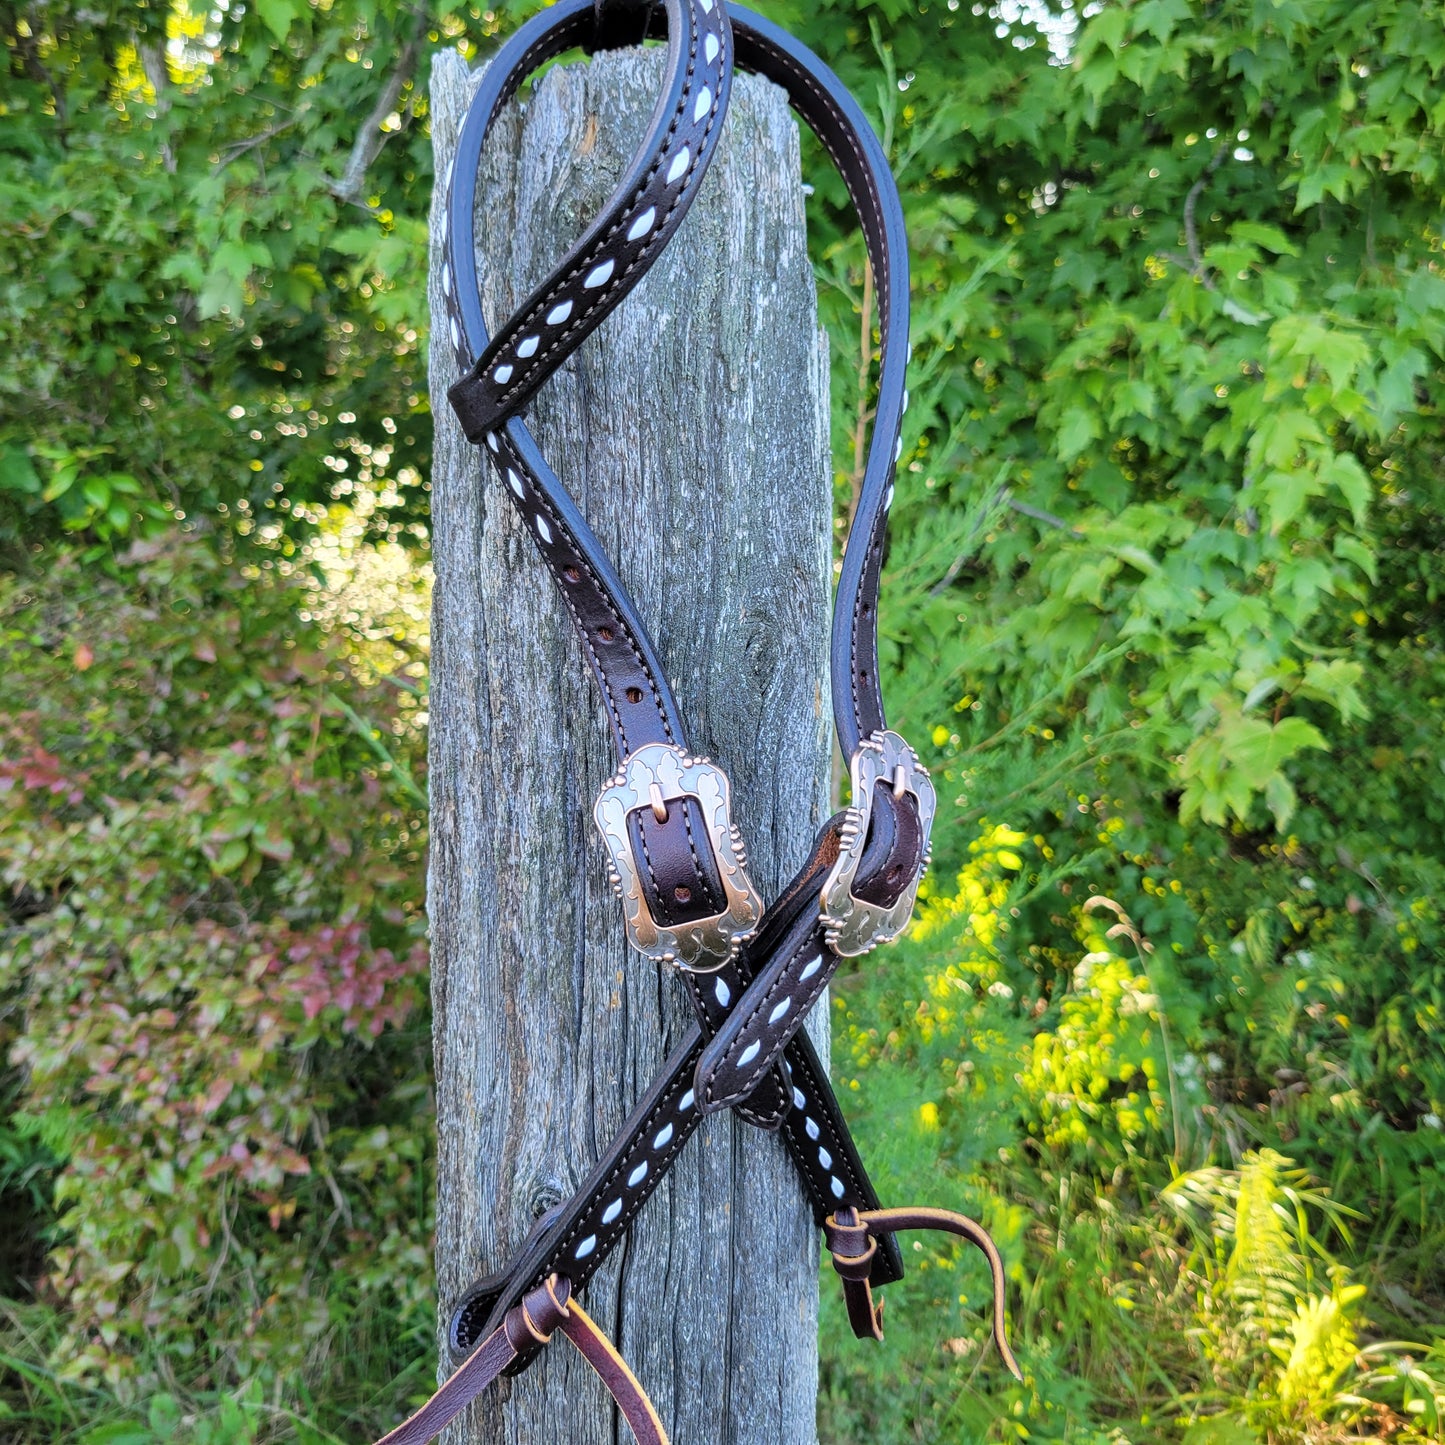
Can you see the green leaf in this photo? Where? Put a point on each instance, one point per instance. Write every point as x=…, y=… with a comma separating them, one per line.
x=1077, y=429
x=278, y=16
x=1342, y=470
x=1220, y=1430
x=161, y=1176
x=1351, y=549
x=1395, y=385
x=1285, y=494
x=1108, y=28
x=1268, y=238
x=1336, y=681
x=1225, y=767
x=1281, y=799
x=17, y=471
x=232, y=855
x=275, y=843
x=1257, y=749
x=1283, y=434
x=61, y=481
x=119, y=1433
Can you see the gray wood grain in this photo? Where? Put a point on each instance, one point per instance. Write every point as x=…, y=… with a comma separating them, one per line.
x=692, y=429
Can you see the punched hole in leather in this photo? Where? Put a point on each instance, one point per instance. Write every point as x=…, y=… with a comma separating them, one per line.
x=893, y=852
x=679, y=876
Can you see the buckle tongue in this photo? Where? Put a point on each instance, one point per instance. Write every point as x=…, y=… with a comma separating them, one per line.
x=851, y=924
x=648, y=778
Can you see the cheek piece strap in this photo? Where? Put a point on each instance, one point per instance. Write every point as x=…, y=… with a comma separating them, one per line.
x=677, y=861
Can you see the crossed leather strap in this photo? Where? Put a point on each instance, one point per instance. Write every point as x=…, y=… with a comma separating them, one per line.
x=677, y=861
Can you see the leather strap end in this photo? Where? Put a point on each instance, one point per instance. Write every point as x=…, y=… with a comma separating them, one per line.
x=766, y=1108
x=864, y=1313
x=846, y=1232
x=613, y=1371
x=853, y=1248
x=543, y=1311
x=473, y=408
x=468, y=1381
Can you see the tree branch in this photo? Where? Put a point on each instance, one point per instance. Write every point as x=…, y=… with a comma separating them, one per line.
x=153, y=62
x=1000, y=498
x=370, y=138
x=236, y=151
x=1191, y=234
x=27, y=47
x=1047, y=518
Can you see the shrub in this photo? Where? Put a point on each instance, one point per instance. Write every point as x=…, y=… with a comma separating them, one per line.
x=212, y=966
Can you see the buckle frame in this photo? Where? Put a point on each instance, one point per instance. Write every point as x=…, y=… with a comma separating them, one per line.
x=650, y=778
x=851, y=925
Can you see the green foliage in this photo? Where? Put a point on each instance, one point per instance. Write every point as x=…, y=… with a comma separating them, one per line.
x=208, y=308
x=1178, y=329
x=212, y=949
x=1165, y=583
x=1149, y=1303
x=1165, y=586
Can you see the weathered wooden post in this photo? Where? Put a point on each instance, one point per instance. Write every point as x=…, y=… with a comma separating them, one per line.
x=692, y=429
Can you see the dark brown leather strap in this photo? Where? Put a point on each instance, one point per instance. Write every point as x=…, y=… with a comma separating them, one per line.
x=790, y=941
x=642, y=214
x=852, y=1237
x=791, y=976
x=670, y=856
x=527, y=1327
x=579, y=1234
x=658, y=189
x=857, y=886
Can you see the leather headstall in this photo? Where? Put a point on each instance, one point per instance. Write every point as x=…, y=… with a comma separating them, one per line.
x=676, y=858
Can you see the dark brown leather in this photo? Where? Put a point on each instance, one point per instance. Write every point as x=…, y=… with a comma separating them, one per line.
x=744, y=1049
x=612, y=1370
x=639, y=218
x=678, y=874
x=677, y=869
x=494, y=1354
x=851, y=1236
x=713, y=995
x=787, y=959
x=893, y=853
x=527, y=1327
x=577, y=1236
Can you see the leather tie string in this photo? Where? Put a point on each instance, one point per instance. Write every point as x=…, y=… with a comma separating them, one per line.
x=851, y=1237
x=527, y=1327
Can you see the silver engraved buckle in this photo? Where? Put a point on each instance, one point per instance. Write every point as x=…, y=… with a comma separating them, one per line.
x=851, y=925
x=650, y=778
